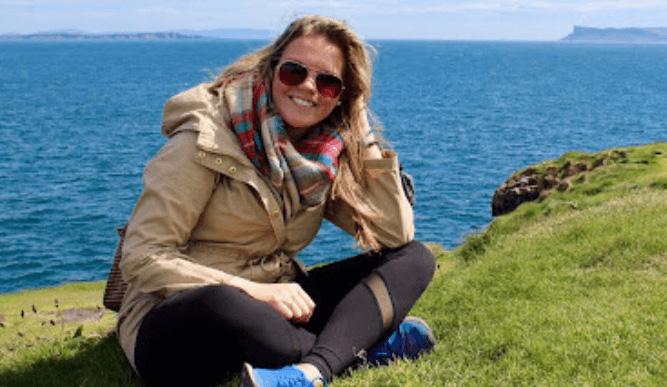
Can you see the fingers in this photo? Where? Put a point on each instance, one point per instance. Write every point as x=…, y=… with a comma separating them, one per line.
x=289, y=299
x=296, y=304
x=284, y=309
x=301, y=311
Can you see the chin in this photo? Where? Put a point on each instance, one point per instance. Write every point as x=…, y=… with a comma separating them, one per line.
x=300, y=123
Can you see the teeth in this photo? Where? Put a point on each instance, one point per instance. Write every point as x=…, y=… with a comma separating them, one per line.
x=302, y=102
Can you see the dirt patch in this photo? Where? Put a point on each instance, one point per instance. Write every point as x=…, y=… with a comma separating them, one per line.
x=80, y=315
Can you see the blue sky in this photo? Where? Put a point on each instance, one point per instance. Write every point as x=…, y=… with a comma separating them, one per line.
x=373, y=19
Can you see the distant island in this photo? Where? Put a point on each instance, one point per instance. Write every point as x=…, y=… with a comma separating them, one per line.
x=123, y=36
x=617, y=35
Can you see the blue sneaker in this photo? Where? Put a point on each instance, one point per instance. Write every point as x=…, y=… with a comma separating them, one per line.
x=289, y=376
x=412, y=338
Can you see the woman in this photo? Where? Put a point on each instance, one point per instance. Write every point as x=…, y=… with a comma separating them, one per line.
x=255, y=161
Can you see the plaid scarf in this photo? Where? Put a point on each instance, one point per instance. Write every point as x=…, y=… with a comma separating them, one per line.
x=300, y=174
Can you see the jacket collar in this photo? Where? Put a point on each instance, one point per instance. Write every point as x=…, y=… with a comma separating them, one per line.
x=197, y=109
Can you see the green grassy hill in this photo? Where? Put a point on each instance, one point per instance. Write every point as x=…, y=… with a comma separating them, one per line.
x=567, y=290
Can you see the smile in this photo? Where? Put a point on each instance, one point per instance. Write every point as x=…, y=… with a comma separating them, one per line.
x=302, y=102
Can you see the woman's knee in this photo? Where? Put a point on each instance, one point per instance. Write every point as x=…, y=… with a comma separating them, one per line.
x=426, y=258
x=418, y=261
x=408, y=269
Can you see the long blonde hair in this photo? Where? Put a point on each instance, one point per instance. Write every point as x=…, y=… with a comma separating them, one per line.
x=346, y=117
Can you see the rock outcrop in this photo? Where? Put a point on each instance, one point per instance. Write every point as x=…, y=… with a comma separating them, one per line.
x=540, y=181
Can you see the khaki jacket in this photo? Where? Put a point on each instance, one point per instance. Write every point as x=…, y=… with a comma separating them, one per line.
x=205, y=210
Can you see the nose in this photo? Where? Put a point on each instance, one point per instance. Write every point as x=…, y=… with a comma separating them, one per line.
x=310, y=82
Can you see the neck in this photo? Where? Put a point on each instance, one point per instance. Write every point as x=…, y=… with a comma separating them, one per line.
x=296, y=134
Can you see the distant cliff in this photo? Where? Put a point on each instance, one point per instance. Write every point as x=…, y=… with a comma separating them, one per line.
x=616, y=35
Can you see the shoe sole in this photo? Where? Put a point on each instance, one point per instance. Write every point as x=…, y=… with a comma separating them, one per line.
x=431, y=336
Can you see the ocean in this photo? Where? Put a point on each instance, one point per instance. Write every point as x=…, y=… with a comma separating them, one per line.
x=79, y=120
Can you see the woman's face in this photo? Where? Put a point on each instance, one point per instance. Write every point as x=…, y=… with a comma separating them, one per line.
x=302, y=106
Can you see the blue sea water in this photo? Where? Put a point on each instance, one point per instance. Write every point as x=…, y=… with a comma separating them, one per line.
x=79, y=120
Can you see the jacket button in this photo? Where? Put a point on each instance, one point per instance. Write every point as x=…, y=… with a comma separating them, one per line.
x=232, y=169
x=202, y=154
x=218, y=161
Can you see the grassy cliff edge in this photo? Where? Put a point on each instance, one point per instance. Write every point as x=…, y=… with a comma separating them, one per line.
x=568, y=289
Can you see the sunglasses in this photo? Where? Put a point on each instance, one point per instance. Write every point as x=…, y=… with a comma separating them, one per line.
x=293, y=74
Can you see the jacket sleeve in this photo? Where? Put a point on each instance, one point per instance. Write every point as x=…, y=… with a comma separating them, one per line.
x=394, y=225
x=176, y=191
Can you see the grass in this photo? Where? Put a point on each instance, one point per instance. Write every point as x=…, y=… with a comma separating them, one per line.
x=60, y=337
x=568, y=290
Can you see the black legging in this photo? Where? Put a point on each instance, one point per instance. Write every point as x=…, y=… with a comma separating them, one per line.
x=197, y=337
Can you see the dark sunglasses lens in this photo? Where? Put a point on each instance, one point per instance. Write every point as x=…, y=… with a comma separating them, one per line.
x=292, y=74
x=328, y=85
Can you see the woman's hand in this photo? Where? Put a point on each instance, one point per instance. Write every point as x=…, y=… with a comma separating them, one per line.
x=289, y=299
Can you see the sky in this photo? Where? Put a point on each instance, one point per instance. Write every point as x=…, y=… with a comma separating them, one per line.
x=541, y=20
